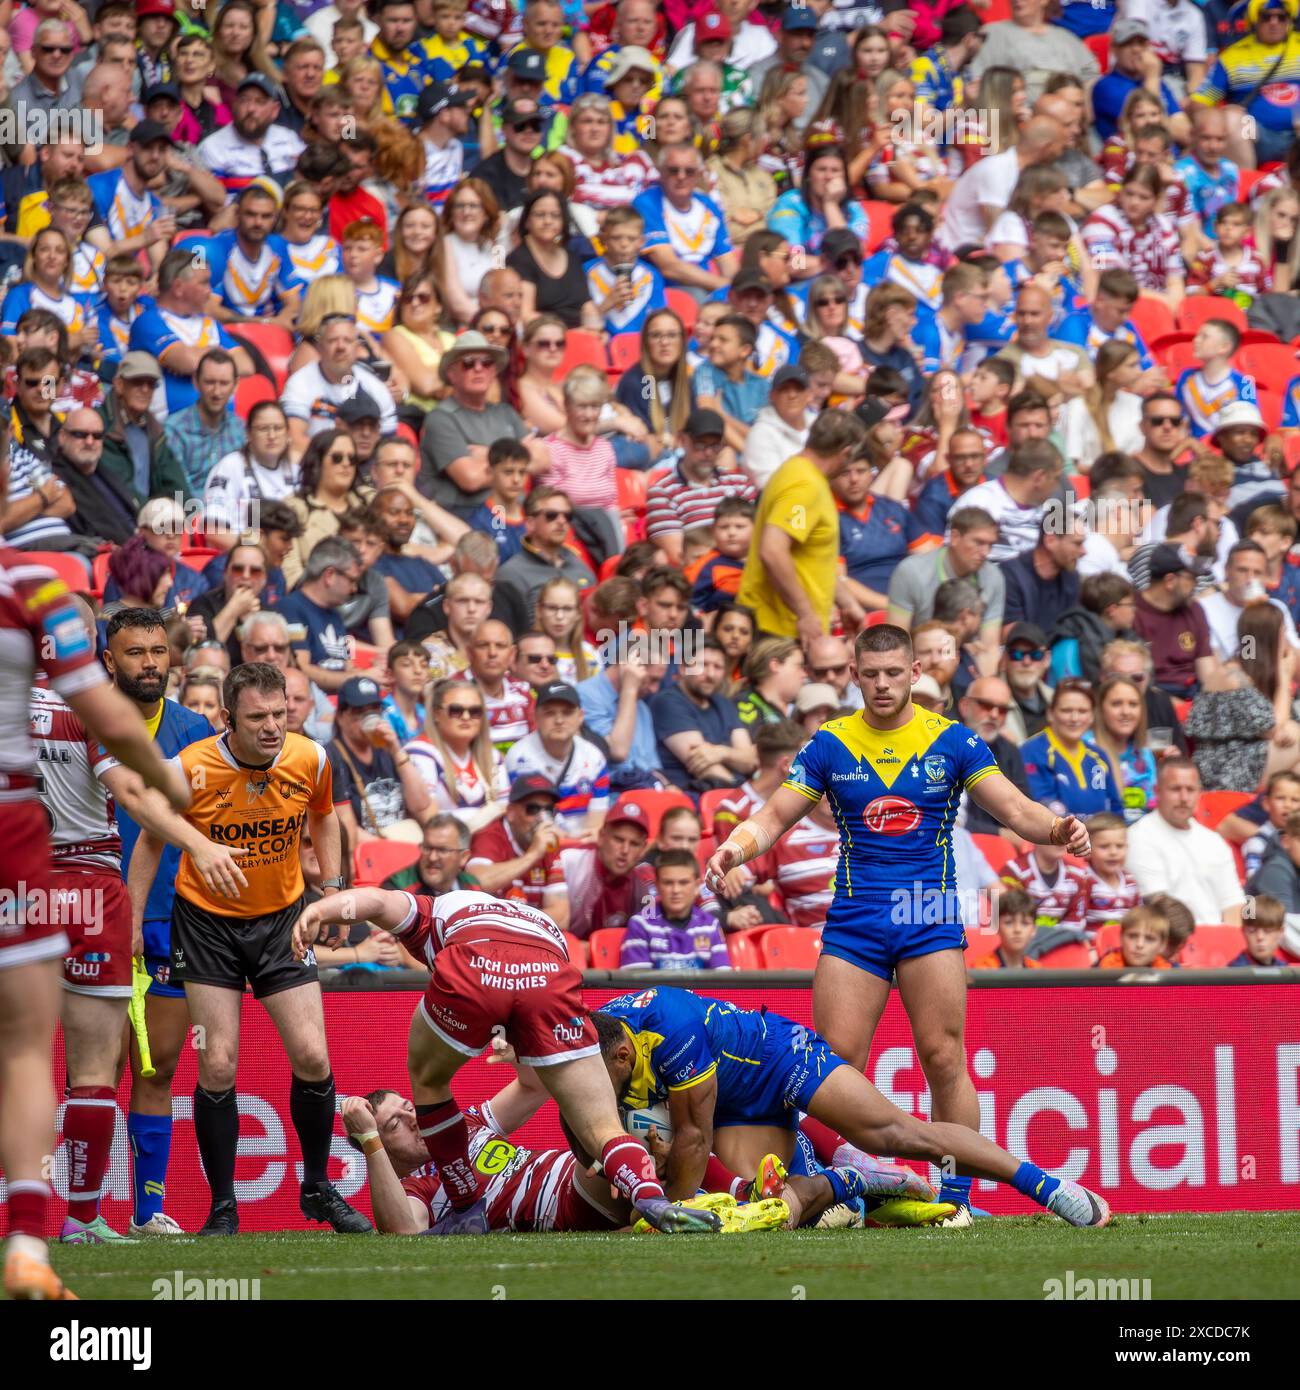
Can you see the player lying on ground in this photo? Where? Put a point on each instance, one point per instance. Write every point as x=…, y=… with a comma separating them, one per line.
x=498, y=967
x=734, y=1081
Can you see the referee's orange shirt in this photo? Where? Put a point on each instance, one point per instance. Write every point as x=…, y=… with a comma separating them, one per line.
x=260, y=811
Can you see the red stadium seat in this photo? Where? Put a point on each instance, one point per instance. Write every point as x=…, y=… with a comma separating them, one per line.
x=1257, y=335
x=251, y=391
x=684, y=306
x=1074, y=955
x=624, y=352
x=745, y=948
x=1271, y=364
x=874, y=619
x=1099, y=46
x=604, y=947
x=1271, y=405
x=1211, y=947
x=791, y=948
x=273, y=342
x=577, y=950
x=880, y=224
x=65, y=564
x=1168, y=340
x=632, y=486
x=1107, y=939
x=655, y=803
x=1177, y=357
x=1246, y=180
x=709, y=803
x=1080, y=485
x=1152, y=318
x=374, y=860
x=995, y=850
x=1214, y=806
x=196, y=556
x=1196, y=308
x=99, y=572
x=581, y=349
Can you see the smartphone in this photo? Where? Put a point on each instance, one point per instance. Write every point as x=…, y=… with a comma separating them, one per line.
x=383, y=370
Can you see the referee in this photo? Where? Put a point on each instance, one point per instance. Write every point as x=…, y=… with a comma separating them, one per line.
x=253, y=787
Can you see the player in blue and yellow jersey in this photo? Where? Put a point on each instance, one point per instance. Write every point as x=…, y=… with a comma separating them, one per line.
x=735, y=1082
x=893, y=776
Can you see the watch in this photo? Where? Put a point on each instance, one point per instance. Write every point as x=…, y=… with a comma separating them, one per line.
x=333, y=882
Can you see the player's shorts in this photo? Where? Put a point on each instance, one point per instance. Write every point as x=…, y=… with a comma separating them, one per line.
x=534, y=994
x=158, y=960
x=27, y=932
x=97, y=916
x=577, y=1210
x=794, y=1063
x=209, y=949
x=864, y=933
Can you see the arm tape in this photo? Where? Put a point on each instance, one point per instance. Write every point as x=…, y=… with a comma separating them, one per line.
x=751, y=839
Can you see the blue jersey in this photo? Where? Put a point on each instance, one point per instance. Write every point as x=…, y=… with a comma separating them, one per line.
x=123, y=212
x=1082, y=785
x=1201, y=402
x=1208, y=190
x=875, y=539
x=157, y=329
x=648, y=294
x=250, y=287
x=941, y=346
x=1291, y=409
x=1065, y=295
x=698, y=235
x=1081, y=329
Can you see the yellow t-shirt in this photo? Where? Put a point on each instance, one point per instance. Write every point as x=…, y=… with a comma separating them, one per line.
x=799, y=501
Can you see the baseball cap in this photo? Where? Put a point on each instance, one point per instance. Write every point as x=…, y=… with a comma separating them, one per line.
x=839, y=241
x=359, y=407
x=534, y=784
x=630, y=810
x=711, y=27
x=796, y=17
x=145, y=8
x=1027, y=633
x=560, y=691
x=149, y=133
x=438, y=96
x=1167, y=560
x=705, y=424
x=138, y=364
x=159, y=90
x=263, y=84
x=359, y=692
x=528, y=64
x=791, y=372
x=752, y=280
x=512, y=115
x=1126, y=30
x=816, y=696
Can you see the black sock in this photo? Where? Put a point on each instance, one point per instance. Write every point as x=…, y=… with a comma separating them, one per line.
x=216, y=1126
x=311, y=1107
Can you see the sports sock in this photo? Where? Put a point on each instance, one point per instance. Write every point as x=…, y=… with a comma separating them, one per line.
x=955, y=1190
x=630, y=1168
x=823, y=1139
x=446, y=1141
x=29, y=1201
x=150, y=1137
x=719, y=1178
x=1032, y=1182
x=839, y=1188
x=216, y=1127
x=311, y=1108
x=88, y=1132
x=803, y=1162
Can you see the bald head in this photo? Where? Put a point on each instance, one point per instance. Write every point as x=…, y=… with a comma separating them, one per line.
x=1033, y=316
x=1056, y=108
x=81, y=439
x=984, y=706
x=1043, y=139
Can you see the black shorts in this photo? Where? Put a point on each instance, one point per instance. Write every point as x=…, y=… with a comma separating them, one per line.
x=208, y=949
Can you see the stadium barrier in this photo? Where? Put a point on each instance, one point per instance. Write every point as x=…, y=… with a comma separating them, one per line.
x=1164, y=1090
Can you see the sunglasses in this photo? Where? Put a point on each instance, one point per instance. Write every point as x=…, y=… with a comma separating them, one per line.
x=991, y=706
x=830, y=299
x=55, y=48
x=463, y=711
x=537, y=808
x=1027, y=654
x=39, y=381
x=839, y=670
x=680, y=171
x=1154, y=420
x=84, y=434
x=488, y=329
x=268, y=646
x=478, y=364
x=421, y=297
x=530, y=127
x=247, y=569
x=538, y=658
x=554, y=514
x=556, y=344
x=337, y=456
x=845, y=262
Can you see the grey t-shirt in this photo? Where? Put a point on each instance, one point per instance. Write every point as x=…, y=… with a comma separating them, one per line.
x=913, y=583
x=449, y=430
x=1036, y=56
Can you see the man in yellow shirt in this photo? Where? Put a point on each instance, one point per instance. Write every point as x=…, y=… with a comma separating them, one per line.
x=790, y=575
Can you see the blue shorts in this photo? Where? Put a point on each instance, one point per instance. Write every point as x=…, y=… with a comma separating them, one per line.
x=158, y=960
x=864, y=933
x=794, y=1064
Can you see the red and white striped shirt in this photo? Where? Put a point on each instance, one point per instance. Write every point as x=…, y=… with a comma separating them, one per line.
x=1108, y=902
x=731, y=810
x=1062, y=903
x=675, y=503
x=1152, y=254
x=612, y=185
x=585, y=476
x=70, y=762
x=802, y=864
x=1253, y=276
x=465, y=918
x=510, y=714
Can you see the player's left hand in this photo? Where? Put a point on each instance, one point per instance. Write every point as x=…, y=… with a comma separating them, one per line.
x=502, y=1053
x=657, y=1147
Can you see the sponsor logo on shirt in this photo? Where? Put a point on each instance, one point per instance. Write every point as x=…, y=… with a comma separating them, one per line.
x=892, y=815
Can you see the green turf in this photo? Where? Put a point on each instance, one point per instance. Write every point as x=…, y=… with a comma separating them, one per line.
x=1225, y=1255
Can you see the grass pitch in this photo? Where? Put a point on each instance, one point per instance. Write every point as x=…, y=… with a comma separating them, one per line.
x=1222, y=1255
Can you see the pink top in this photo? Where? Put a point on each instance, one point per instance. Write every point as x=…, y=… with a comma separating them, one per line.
x=585, y=476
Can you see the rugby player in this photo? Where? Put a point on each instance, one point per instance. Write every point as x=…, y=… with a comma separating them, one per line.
x=41, y=628
x=893, y=775
x=735, y=1080
x=254, y=786
x=499, y=967
x=138, y=658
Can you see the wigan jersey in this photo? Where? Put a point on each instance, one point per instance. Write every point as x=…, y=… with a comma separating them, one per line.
x=894, y=794
x=1107, y=903
x=465, y=918
x=1060, y=903
x=1153, y=254
x=510, y=714
x=250, y=286
x=802, y=864
x=69, y=763
x=1202, y=401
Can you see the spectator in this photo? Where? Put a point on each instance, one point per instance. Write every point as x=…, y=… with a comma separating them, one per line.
x=259, y=470
x=830, y=659
x=298, y=701
x=1025, y=662
x=1103, y=614
x=1112, y=890
x=675, y=203
x=1143, y=939
x=1059, y=891
x=582, y=463
x=504, y=174
x=467, y=602
x=475, y=554
x=548, y=515
x=328, y=489
x=377, y=790
x=982, y=193
x=1064, y=772
x=598, y=886
x=1016, y=501
x=936, y=501
x=407, y=577
x=1263, y=930
x=101, y=507
x=534, y=663
x=142, y=576
x=725, y=384
x=202, y=693
x=702, y=742
x=1120, y=732
x=243, y=583
x=934, y=646
x=314, y=395
x=408, y=672
x=441, y=867
x=1042, y=583
x=984, y=709
x=501, y=514
x=663, y=368
x=208, y=431
x=1034, y=47
x=1246, y=572
x=517, y=856
x=574, y=765
x=675, y=933
x=1173, y=626
x=780, y=430
x=775, y=748
x=815, y=705
x=462, y=771
x=689, y=496
x=1132, y=659
x=716, y=575
x=509, y=702
x=1170, y=850
x=1193, y=525
x=615, y=705
x=331, y=577
x=1016, y=928
x=774, y=674
x=1256, y=825
x=559, y=615
x=877, y=532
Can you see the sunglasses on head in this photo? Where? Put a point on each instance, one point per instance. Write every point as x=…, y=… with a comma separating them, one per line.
x=1027, y=654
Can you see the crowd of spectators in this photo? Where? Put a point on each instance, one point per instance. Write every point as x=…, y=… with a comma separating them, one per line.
x=555, y=390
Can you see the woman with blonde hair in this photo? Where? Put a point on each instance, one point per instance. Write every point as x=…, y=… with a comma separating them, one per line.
x=1276, y=237
x=997, y=114
x=239, y=48
x=1040, y=188
x=1118, y=155
x=362, y=79
x=416, y=342
x=46, y=272
x=1119, y=730
x=1108, y=415
x=467, y=247
x=782, y=101
x=329, y=296
x=455, y=757
x=411, y=250
x=827, y=321
x=559, y=616
x=664, y=368
x=604, y=178
x=904, y=165
x=746, y=190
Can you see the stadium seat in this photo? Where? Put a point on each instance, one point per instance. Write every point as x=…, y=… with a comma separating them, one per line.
x=1258, y=335
x=604, y=947
x=684, y=306
x=1107, y=939
x=632, y=486
x=99, y=572
x=1080, y=486
x=1168, y=340
x=580, y=349
x=745, y=949
x=624, y=352
x=197, y=556
x=273, y=342
x=66, y=564
x=1196, y=308
x=374, y=860
x=876, y=618
x=251, y=391
x=1152, y=318
x=1099, y=46
x=1214, y=806
x=1177, y=357
x=364, y=658
x=1211, y=947
x=709, y=803
x=577, y=950
x=791, y=948
x=880, y=224
x=1271, y=405
x=1246, y=180
x=995, y=850
x=1272, y=364
x=655, y=802
x=1074, y=955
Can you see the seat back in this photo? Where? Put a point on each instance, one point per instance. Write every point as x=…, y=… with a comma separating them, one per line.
x=604, y=947
x=791, y=948
x=374, y=860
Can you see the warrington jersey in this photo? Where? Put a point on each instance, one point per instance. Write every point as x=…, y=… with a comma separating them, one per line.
x=259, y=810
x=255, y=285
x=894, y=794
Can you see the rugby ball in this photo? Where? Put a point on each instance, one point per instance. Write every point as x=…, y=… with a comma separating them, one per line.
x=639, y=1123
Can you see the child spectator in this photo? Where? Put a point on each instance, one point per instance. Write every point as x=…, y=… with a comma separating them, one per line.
x=1180, y=921
x=987, y=396
x=501, y=513
x=1016, y=927
x=715, y=576
x=363, y=249
x=1273, y=529
x=1112, y=891
x=1059, y=891
x=1228, y=267
x=1143, y=935
x=623, y=286
x=123, y=281
x=1205, y=390
x=697, y=544
x=1045, y=262
x=1279, y=869
x=1255, y=826
x=724, y=383
x=408, y=668
x=711, y=314
x=675, y=932
x=1263, y=926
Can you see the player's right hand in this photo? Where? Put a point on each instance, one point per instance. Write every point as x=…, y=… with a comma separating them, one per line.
x=308, y=929
x=220, y=870
x=358, y=1116
x=502, y=1053
x=726, y=858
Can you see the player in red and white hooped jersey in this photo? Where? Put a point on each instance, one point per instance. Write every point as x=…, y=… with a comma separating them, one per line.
x=499, y=968
x=524, y=1190
x=41, y=628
